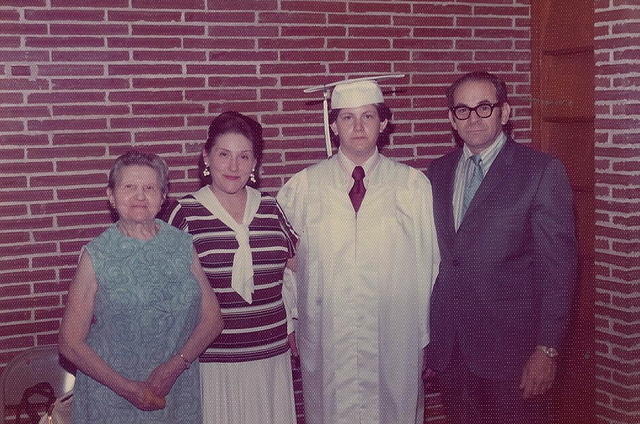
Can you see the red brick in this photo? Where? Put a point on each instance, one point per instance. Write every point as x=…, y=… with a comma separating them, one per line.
x=13, y=264
x=222, y=69
x=164, y=83
x=67, y=234
x=619, y=314
x=23, y=112
x=622, y=366
x=20, y=342
x=146, y=122
x=169, y=56
x=90, y=3
x=83, y=193
x=442, y=32
x=617, y=339
x=53, y=42
x=219, y=43
x=89, y=83
x=54, y=208
x=299, y=5
x=88, y=110
x=217, y=16
x=144, y=42
x=169, y=4
x=626, y=302
x=21, y=168
x=144, y=69
x=24, y=223
x=521, y=10
x=12, y=42
x=382, y=7
x=167, y=30
x=49, y=313
x=245, y=5
x=23, y=29
x=142, y=16
x=358, y=19
x=63, y=15
x=434, y=8
x=12, y=210
x=11, y=154
x=175, y=136
x=25, y=276
x=34, y=327
x=90, y=56
x=55, y=261
x=250, y=56
x=28, y=248
x=69, y=70
x=146, y=96
x=66, y=97
x=88, y=29
x=9, y=15
x=220, y=94
x=107, y=138
x=67, y=124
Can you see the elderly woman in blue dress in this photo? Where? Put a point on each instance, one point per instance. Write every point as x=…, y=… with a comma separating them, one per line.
x=139, y=310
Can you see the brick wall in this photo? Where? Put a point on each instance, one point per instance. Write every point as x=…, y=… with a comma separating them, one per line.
x=617, y=23
x=82, y=81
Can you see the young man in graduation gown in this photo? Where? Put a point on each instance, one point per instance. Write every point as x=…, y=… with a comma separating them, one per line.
x=365, y=263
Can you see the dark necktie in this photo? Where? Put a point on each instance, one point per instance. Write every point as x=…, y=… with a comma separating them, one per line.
x=356, y=194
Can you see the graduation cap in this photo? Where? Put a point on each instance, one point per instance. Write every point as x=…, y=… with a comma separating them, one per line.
x=349, y=93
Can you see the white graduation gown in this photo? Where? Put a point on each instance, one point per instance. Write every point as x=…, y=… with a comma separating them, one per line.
x=363, y=287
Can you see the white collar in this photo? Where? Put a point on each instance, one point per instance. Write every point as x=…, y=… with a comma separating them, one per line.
x=348, y=165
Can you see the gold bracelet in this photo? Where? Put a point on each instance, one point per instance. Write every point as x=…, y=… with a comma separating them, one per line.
x=187, y=364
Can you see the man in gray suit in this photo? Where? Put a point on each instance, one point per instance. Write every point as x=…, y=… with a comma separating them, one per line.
x=499, y=307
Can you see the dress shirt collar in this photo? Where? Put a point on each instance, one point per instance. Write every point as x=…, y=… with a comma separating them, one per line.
x=348, y=165
x=489, y=154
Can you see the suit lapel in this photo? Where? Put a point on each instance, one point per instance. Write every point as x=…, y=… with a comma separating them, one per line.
x=446, y=196
x=500, y=167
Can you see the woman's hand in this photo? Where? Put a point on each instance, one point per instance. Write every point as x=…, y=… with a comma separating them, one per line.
x=165, y=375
x=142, y=396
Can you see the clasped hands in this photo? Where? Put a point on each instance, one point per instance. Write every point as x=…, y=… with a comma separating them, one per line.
x=150, y=395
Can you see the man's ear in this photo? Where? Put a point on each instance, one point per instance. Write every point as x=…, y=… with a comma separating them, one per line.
x=505, y=114
x=452, y=119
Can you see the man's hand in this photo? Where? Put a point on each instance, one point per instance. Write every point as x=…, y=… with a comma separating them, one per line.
x=538, y=374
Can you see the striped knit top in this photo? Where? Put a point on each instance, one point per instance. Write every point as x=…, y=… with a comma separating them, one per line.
x=251, y=331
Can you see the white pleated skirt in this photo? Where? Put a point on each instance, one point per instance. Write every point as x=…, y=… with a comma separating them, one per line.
x=248, y=392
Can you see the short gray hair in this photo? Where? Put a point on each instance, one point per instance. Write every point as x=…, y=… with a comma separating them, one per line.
x=134, y=157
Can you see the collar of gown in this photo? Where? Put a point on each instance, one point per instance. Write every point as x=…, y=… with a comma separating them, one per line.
x=348, y=165
x=242, y=271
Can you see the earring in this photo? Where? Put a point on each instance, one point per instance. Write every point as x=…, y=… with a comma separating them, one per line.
x=252, y=176
x=206, y=172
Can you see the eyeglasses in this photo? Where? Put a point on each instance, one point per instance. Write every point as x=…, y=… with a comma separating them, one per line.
x=483, y=110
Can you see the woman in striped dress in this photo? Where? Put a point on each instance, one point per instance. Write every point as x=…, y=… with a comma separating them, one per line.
x=244, y=242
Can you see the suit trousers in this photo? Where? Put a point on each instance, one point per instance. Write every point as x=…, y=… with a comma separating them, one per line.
x=470, y=399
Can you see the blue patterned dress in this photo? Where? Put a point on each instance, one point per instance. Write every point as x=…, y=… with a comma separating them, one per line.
x=146, y=307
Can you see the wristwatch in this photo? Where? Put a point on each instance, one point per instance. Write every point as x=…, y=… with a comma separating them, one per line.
x=551, y=352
